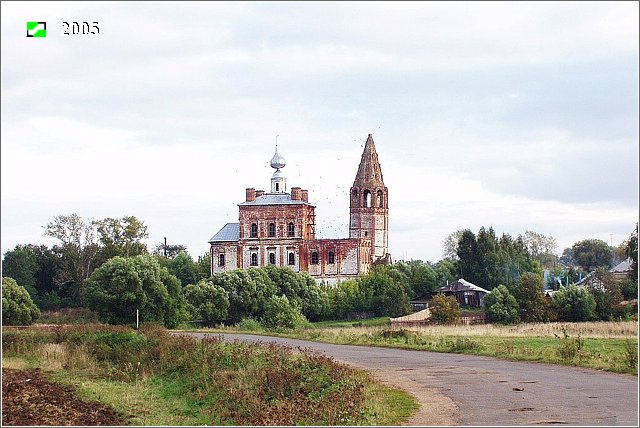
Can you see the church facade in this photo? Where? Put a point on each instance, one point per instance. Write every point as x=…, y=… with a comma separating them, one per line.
x=278, y=228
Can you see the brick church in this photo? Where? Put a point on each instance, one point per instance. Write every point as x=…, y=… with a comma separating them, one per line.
x=278, y=228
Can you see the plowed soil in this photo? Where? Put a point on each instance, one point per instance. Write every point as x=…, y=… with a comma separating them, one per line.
x=28, y=398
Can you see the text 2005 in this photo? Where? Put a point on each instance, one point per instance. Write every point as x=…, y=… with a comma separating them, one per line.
x=74, y=28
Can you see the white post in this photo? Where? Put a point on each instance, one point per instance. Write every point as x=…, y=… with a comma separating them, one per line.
x=137, y=318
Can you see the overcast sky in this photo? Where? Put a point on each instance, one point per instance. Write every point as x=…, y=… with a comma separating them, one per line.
x=521, y=116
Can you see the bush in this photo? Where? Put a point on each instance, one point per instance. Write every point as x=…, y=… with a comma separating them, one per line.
x=207, y=302
x=280, y=314
x=444, y=309
x=629, y=289
x=501, y=307
x=121, y=285
x=249, y=324
x=17, y=306
x=574, y=303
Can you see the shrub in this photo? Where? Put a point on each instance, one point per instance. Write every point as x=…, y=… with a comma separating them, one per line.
x=17, y=306
x=501, y=307
x=569, y=347
x=249, y=324
x=207, y=302
x=444, y=309
x=280, y=314
x=574, y=303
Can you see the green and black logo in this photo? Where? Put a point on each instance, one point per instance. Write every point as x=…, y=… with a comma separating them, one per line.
x=36, y=29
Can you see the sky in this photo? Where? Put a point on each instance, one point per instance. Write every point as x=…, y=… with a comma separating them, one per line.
x=515, y=115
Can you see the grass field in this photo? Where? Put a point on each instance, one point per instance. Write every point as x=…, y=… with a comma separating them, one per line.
x=610, y=346
x=162, y=380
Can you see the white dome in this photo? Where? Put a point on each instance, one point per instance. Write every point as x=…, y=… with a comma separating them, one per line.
x=277, y=161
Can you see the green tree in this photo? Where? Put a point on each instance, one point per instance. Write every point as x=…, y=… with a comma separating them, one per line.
x=606, y=293
x=592, y=253
x=121, y=237
x=17, y=306
x=248, y=291
x=574, y=303
x=529, y=293
x=385, y=290
x=501, y=307
x=77, y=250
x=207, y=301
x=121, y=285
x=203, y=266
x=446, y=271
x=21, y=264
x=183, y=268
x=444, y=309
x=632, y=253
x=450, y=245
x=541, y=247
x=280, y=314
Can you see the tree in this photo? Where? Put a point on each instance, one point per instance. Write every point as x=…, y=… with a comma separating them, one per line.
x=606, y=293
x=530, y=297
x=501, y=307
x=541, y=247
x=21, y=264
x=450, y=245
x=17, y=306
x=592, y=253
x=183, y=267
x=632, y=253
x=248, y=291
x=280, y=314
x=444, y=309
x=121, y=285
x=207, y=302
x=574, y=303
x=168, y=250
x=78, y=248
x=203, y=266
x=121, y=237
x=468, y=255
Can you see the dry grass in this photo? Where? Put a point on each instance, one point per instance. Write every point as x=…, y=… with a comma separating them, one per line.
x=601, y=329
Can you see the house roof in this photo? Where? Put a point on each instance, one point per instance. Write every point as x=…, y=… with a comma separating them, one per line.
x=275, y=199
x=230, y=232
x=622, y=267
x=461, y=285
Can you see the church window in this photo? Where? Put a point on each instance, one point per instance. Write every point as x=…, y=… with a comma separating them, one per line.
x=380, y=199
x=367, y=199
x=221, y=260
x=254, y=259
x=292, y=259
x=314, y=258
x=254, y=230
x=291, y=229
x=355, y=194
x=332, y=258
x=277, y=187
x=272, y=258
x=272, y=229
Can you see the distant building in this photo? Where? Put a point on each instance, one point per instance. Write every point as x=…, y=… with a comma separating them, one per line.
x=466, y=293
x=278, y=228
x=622, y=270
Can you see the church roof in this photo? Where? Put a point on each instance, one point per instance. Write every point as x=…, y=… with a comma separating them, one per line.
x=369, y=172
x=623, y=267
x=275, y=199
x=230, y=232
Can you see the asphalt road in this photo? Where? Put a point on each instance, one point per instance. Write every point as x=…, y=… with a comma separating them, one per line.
x=489, y=391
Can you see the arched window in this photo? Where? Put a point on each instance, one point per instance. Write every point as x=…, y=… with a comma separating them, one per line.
x=272, y=230
x=221, y=260
x=380, y=205
x=272, y=258
x=367, y=199
x=355, y=195
x=332, y=258
x=254, y=230
x=291, y=229
x=292, y=259
x=314, y=258
x=254, y=259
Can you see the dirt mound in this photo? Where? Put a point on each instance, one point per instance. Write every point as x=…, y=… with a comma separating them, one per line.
x=28, y=398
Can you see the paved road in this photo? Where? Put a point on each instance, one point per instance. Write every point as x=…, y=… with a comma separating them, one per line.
x=489, y=391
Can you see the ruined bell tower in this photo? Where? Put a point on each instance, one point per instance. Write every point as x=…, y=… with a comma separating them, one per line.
x=369, y=206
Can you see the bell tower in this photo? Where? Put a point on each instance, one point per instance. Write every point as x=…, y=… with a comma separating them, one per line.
x=369, y=206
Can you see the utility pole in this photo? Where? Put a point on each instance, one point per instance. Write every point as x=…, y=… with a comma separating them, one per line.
x=165, y=247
